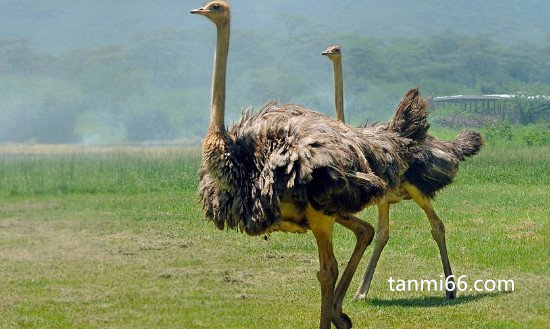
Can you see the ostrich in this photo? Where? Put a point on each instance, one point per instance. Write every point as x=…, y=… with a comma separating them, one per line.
x=432, y=166
x=286, y=168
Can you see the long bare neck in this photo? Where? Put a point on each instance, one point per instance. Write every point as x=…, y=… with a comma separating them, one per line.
x=217, y=123
x=338, y=89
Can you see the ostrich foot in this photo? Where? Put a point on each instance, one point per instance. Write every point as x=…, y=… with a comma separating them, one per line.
x=341, y=320
x=360, y=296
x=450, y=294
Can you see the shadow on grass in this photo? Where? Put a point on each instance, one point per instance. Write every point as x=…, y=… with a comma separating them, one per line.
x=432, y=301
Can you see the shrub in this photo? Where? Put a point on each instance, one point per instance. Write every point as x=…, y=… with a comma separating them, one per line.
x=500, y=131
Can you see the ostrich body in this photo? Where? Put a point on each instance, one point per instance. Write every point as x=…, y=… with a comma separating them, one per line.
x=286, y=168
x=432, y=166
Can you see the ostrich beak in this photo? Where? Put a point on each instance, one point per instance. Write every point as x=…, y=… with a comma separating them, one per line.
x=199, y=11
x=324, y=53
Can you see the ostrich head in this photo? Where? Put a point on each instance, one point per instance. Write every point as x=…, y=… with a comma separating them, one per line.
x=217, y=11
x=333, y=52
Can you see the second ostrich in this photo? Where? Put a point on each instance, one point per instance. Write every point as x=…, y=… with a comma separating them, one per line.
x=286, y=168
x=433, y=165
x=334, y=53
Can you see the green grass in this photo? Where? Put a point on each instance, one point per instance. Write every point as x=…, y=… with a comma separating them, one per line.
x=115, y=239
x=111, y=171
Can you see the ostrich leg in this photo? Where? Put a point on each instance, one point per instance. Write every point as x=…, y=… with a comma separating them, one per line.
x=364, y=233
x=322, y=225
x=382, y=236
x=438, y=233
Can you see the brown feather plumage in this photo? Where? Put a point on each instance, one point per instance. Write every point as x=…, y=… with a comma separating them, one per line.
x=411, y=117
x=287, y=151
x=434, y=162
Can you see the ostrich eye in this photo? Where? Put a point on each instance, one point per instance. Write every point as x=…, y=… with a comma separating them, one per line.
x=216, y=7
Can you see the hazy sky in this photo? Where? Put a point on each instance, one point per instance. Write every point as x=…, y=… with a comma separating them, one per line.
x=53, y=24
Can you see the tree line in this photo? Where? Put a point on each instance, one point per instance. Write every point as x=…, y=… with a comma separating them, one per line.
x=156, y=86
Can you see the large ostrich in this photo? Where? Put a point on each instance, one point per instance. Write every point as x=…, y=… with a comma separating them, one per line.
x=286, y=168
x=433, y=166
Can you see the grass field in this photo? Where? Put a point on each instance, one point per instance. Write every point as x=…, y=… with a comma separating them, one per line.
x=113, y=238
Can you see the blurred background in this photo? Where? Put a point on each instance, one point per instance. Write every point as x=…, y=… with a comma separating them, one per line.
x=109, y=72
